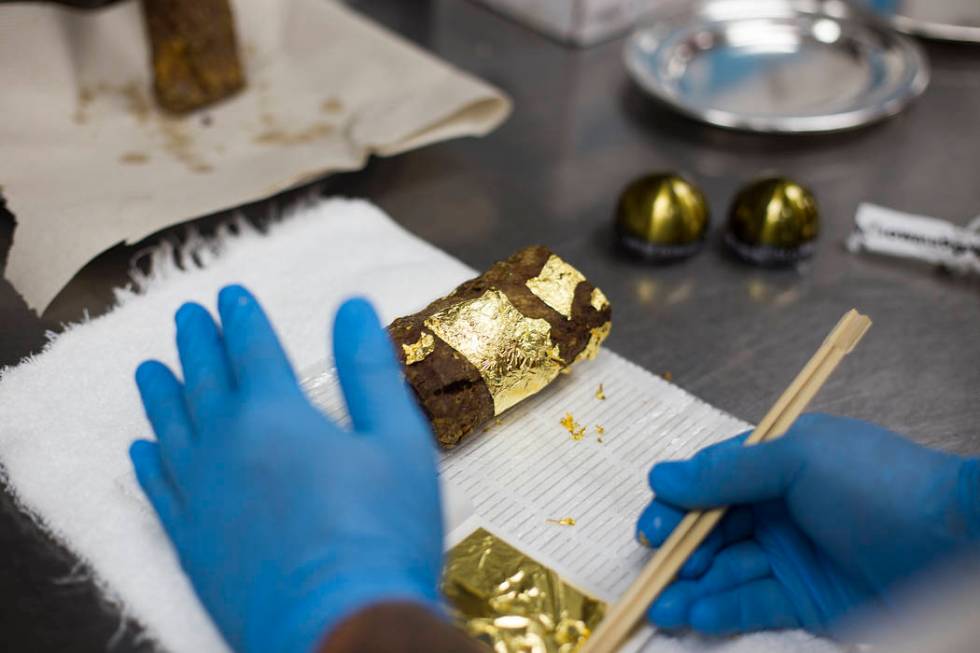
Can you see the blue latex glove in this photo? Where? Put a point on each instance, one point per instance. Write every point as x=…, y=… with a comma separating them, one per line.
x=285, y=522
x=828, y=518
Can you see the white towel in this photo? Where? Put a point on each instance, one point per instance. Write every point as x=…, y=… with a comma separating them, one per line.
x=69, y=414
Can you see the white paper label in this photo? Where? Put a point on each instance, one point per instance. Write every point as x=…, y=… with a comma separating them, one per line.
x=892, y=233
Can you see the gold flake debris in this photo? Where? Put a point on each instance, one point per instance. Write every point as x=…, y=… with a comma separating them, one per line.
x=303, y=136
x=600, y=393
x=133, y=158
x=418, y=351
x=555, y=285
x=331, y=105
x=576, y=430
x=600, y=431
x=513, y=353
x=598, y=300
x=667, y=376
x=564, y=521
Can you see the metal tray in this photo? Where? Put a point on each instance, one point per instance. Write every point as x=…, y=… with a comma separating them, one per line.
x=788, y=66
x=950, y=20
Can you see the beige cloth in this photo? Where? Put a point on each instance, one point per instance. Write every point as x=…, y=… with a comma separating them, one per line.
x=86, y=161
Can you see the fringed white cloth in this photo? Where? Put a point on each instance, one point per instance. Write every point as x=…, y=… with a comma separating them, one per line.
x=68, y=415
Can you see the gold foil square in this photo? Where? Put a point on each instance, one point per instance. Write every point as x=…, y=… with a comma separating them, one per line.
x=512, y=602
x=555, y=285
x=418, y=351
x=514, y=353
x=598, y=299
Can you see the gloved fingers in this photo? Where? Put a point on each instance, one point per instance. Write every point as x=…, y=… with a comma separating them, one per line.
x=377, y=396
x=726, y=475
x=734, y=565
x=736, y=525
x=671, y=610
x=711, y=449
x=207, y=377
x=656, y=523
x=166, y=409
x=658, y=520
x=156, y=484
x=257, y=359
x=756, y=605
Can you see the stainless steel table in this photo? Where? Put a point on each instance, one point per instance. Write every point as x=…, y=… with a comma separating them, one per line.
x=732, y=334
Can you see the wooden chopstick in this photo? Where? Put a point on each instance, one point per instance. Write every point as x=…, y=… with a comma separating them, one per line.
x=696, y=525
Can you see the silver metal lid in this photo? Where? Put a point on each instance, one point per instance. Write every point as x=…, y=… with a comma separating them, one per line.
x=788, y=66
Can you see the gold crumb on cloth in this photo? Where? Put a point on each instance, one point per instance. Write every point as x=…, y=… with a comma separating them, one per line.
x=513, y=353
x=417, y=351
x=600, y=431
x=600, y=393
x=513, y=603
x=564, y=521
x=555, y=285
x=576, y=430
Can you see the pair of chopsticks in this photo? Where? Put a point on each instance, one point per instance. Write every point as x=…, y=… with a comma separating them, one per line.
x=696, y=525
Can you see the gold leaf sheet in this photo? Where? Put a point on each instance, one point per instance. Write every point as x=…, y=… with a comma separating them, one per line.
x=514, y=353
x=512, y=602
x=555, y=285
x=417, y=351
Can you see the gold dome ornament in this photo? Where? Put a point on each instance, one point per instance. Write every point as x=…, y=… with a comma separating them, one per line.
x=662, y=217
x=773, y=222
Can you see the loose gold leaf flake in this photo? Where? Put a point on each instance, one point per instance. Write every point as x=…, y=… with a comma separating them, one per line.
x=555, y=285
x=513, y=353
x=564, y=521
x=667, y=376
x=419, y=350
x=574, y=429
x=601, y=430
x=598, y=300
x=600, y=393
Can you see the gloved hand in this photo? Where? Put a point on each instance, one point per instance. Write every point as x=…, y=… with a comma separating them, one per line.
x=828, y=518
x=285, y=522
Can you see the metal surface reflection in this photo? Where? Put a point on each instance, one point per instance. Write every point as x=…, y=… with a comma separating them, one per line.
x=952, y=20
x=776, y=65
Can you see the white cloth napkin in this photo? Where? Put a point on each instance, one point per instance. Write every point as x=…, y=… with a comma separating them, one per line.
x=87, y=161
x=67, y=416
